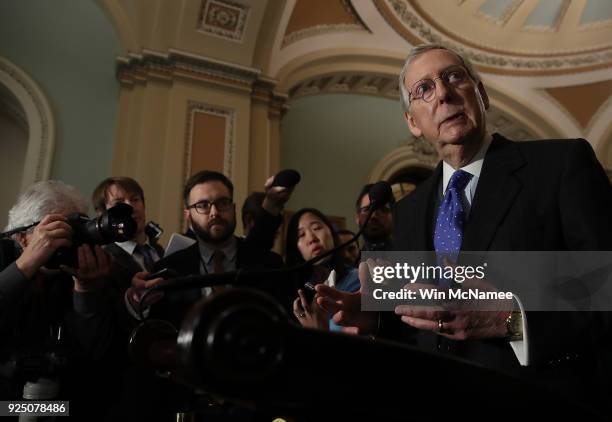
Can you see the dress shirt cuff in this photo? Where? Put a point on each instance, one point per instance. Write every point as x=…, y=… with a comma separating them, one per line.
x=521, y=347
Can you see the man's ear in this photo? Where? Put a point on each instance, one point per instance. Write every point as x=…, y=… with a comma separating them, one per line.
x=186, y=215
x=483, y=95
x=412, y=125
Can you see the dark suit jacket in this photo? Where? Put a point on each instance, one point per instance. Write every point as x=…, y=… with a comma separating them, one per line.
x=531, y=196
x=174, y=306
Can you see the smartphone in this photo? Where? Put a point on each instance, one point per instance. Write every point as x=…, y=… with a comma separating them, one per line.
x=309, y=291
x=164, y=273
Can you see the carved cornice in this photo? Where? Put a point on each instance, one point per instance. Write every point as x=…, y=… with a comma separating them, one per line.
x=412, y=27
x=353, y=83
x=175, y=64
x=264, y=92
x=420, y=149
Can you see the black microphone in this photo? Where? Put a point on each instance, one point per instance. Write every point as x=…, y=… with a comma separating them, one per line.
x=380, y=194
x=287, y=178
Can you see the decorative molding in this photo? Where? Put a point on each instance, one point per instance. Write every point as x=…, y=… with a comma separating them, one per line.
x=411, y=152
x=176, y=64
x=414, y=29
x=263, y=91
x=40, y=122
x=13, y=109
x=353, y=83
x=199, y=107
x=224, y=19
x=497, y=121
x=320, y=30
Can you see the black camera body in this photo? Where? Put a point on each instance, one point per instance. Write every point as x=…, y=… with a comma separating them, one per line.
x=115, y=224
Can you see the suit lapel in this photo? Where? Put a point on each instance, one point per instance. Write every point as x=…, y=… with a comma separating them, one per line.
x=122, y=258
x=495, y=194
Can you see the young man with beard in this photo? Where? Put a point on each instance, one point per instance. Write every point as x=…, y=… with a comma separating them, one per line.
x=210, y=211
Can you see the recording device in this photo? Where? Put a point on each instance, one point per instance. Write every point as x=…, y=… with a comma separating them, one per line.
x=113, y=225
x=153, y=231
x=309, y=291
x=287, y=178
x=164, y=273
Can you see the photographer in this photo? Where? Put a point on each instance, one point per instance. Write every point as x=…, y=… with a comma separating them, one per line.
x=54, y=322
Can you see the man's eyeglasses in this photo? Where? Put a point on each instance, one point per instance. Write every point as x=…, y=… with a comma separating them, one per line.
x=425, y=89
x=366, y=209
x=203, y=207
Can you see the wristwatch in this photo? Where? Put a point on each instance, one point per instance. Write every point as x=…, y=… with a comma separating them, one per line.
x=514, y=326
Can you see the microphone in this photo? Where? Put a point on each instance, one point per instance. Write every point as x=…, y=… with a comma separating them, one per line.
x=380, y=194
x=287, y=178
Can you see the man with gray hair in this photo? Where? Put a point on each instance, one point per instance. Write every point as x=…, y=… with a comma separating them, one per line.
x=51, y=312
x=489, y=193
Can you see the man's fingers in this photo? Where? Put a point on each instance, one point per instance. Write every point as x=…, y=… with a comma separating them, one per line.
x=433, y=314
x=49, y=218
x=328, y=304
x=101, y=257
x=153, y=282
x=268, y=182
x=330, y=292
x=350, y=330
x=87, y=262
x=364, y=275
x=421, y=324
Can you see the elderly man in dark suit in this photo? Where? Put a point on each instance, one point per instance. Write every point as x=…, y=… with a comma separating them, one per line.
x=491, y=194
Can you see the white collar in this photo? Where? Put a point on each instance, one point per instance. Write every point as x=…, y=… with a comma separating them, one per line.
x=130, y=245
x=474, y=167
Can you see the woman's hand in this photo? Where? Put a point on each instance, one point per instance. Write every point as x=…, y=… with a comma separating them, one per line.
x=310, y=315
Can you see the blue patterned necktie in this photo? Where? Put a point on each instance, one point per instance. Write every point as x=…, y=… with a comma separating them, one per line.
x=448, y=232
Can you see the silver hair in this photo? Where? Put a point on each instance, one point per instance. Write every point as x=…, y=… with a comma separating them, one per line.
x=42, y=198
x=416, y=52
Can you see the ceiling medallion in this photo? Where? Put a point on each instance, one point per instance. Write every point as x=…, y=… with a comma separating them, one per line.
x=224, y=19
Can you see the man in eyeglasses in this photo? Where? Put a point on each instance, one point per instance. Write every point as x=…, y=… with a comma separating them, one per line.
x=210, y=212
x=377, y=234
x=489, y=193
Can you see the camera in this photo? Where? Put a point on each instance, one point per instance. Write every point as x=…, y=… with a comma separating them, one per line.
x=113, y=225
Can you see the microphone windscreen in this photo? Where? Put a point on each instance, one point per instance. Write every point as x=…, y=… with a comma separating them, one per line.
x=287, y=178
x=380, y=194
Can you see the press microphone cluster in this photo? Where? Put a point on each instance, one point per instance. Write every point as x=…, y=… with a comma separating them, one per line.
x=380, y=195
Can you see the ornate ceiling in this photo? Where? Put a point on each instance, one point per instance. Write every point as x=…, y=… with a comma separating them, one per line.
x=547, y=64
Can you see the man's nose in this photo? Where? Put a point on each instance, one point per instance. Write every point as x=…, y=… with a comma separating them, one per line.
x=443, y=90
x=213, y=209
